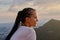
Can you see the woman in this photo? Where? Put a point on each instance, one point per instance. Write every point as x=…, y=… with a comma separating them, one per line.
x=23, y=27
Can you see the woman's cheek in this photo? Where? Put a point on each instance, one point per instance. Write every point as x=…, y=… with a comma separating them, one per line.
x=34, y=22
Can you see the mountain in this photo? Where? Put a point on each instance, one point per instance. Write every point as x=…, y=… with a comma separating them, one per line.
x=49, y=31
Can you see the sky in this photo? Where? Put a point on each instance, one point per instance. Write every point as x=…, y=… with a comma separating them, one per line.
x=46, y=9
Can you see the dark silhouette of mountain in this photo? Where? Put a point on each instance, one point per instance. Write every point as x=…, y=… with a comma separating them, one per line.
x=49, y=31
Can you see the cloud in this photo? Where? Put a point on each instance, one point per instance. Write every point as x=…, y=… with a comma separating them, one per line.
x=4, y=5
x=19, y=4
x=5, y=2
x=46, y=9
x=51, y=9
x=42, y=2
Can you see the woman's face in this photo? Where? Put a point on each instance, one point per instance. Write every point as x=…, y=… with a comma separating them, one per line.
x=32, y=20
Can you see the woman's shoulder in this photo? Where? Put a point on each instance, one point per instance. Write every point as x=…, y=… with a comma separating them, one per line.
x=25, y=28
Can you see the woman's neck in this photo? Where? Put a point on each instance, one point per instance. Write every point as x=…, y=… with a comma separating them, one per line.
x=25, y=24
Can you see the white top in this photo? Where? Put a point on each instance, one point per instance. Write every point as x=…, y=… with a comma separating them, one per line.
x=24, y=33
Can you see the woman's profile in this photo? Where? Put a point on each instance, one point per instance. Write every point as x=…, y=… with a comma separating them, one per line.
x=23, y=27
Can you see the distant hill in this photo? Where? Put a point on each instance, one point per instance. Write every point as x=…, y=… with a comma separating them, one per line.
x=49, y=31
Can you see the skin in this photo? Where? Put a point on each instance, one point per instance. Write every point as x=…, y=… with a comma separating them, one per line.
x=32, y=20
